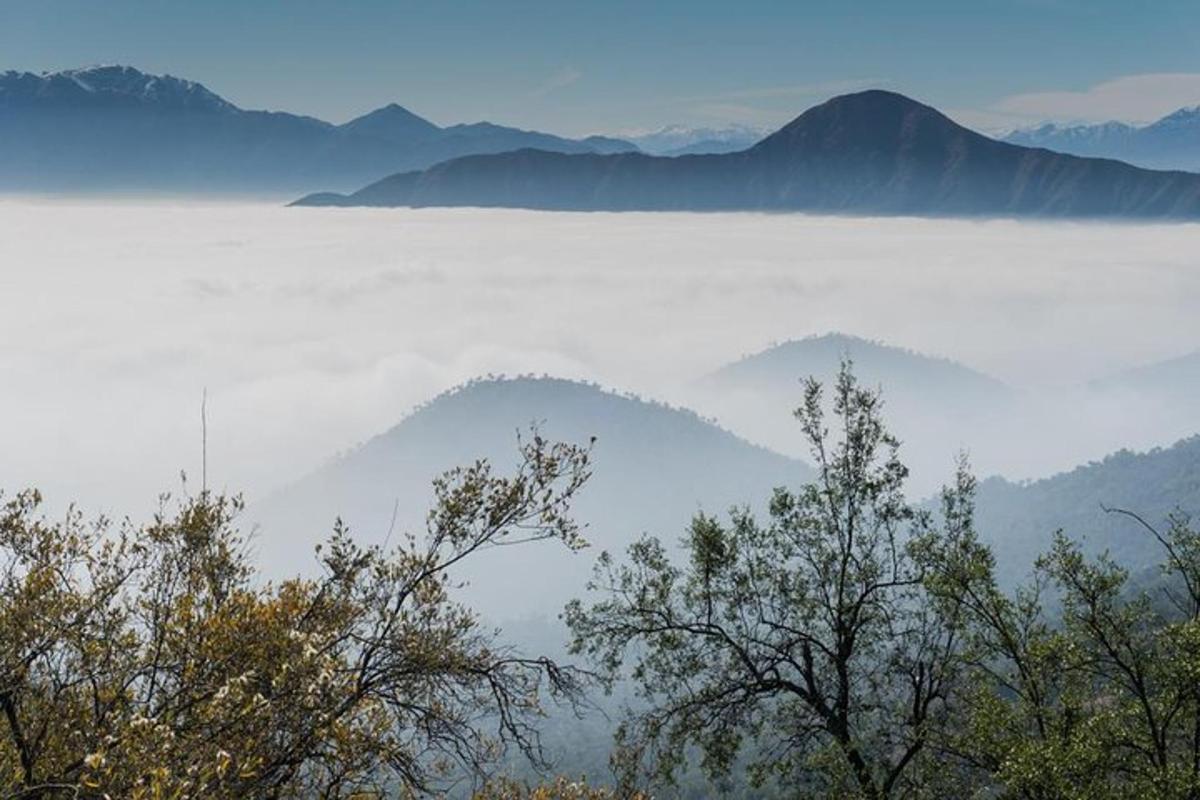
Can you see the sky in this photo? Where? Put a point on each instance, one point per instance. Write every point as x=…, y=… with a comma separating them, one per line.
x=315, y=329
x=622, y=67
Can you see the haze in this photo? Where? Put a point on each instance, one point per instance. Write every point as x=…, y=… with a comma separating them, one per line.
x=313, y=329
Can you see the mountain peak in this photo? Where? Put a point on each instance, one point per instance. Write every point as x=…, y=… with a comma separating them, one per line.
x=874, y=104
x=872, y=101
x=108, y=85
x=824, y=352
x=871, y=121
x=393, y=123
x=1188, y=117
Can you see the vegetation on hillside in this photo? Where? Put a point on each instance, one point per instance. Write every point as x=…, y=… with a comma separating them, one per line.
x=149, y=663
x=845, y=644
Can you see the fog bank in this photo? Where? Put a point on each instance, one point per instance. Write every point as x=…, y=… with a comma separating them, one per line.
x=313, y=329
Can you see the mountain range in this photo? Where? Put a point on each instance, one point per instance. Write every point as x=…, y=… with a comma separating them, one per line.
x=1172, y=142
x=114, y=128
x=680, y=140
x=117, y=129
x=655, y=466
x=872, y=152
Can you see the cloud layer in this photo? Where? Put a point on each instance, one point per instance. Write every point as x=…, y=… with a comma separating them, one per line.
x=313, y=329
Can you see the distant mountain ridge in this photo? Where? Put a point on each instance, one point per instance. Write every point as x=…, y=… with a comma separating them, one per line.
x=873, y=152
x=936, y=406
x=108, y=86
x=1172, y=142
x=679, y=140
x=115, y=128
x=824, y=352
x=655, y=466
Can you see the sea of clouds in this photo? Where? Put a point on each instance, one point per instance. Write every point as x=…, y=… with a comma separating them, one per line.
x=314, y=329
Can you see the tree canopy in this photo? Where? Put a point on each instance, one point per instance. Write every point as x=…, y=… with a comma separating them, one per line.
x=146, y=662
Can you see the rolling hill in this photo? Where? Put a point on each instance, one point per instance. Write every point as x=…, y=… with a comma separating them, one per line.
x=872, y=152
x=1019, y=519
x=937, y=407
x=1174, y=382
x=654, y=467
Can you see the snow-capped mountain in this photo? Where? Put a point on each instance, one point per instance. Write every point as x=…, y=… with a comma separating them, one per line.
x=115, y=128
x=675, y=140
x=1185, y=119
x=1172, y=142
x=107, y=86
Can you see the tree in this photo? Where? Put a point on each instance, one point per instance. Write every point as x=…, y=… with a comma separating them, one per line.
x=148, y=662
x=1084, y=685
x=558, y=789
x=812, y=635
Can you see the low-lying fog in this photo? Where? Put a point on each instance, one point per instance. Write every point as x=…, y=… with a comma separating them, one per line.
x=313, y=329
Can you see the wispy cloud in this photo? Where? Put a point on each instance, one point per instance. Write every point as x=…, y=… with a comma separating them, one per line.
x=559, y=80
x=1130, y=98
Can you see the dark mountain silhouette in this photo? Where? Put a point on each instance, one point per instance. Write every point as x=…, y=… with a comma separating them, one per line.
x=936, y=406
x=1172, y=142
x=118, y=129
x=873, y=152
x=654, y=467
x=393, y=123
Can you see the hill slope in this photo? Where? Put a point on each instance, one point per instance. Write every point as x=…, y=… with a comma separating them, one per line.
x=936, y=406
x=654, y=467
x=115, y=128
x=1175, y=381
x=873, y=152
x=1020, y=519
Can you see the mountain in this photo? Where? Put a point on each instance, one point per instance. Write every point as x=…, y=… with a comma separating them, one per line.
x=106, y=87
x=1175, y=380
x=1020, y=519
x=709, y=147
x=393, y=123
x=873, y=152
x=654, y=467
x=1097, y=141
x=1161, y=396
x=115, y=128
x=937, y=407
x=678, y=140
x=1172, y=142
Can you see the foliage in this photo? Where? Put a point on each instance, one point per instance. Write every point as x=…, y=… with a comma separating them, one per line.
x=147, y=663
x=812, y=636
x=850, y=645
x=560, y=789
x=1093, y=695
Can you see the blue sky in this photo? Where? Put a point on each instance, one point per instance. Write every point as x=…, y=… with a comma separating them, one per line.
x=618, y=66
